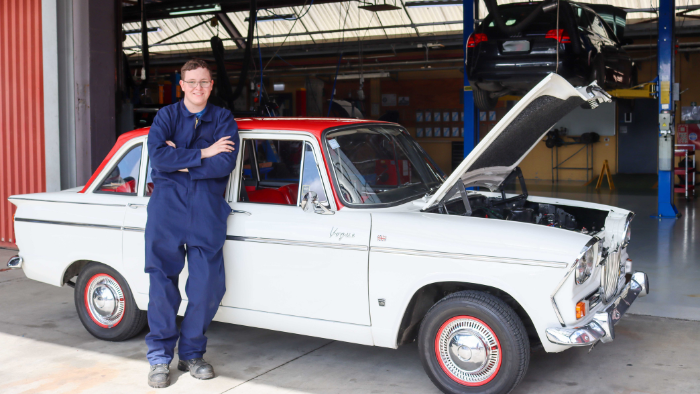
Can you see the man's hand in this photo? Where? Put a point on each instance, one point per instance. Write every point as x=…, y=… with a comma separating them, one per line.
x=220, y=146
x=170, y=143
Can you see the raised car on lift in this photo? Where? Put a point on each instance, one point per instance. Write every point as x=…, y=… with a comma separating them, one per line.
x=517, y=46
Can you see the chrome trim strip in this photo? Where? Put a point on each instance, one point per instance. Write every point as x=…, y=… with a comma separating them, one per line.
x=68, y=202
x=462, y=256
x=104, y=226
x=135, y=229
x=312, y=244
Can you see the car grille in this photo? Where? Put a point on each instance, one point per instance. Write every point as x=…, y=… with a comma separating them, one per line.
x=612, y=274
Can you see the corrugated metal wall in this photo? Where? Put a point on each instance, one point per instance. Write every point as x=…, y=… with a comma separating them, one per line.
x=21, y=107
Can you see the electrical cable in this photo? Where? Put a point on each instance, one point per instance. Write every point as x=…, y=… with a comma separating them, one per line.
x=247, y=56
x=335, y=80
x=340, y=58
x=283, y=41
x=556, y=68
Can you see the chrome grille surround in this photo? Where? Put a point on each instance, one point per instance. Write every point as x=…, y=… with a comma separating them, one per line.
x=612, y=275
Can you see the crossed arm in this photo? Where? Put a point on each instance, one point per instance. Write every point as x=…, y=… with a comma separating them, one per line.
x=216, y=161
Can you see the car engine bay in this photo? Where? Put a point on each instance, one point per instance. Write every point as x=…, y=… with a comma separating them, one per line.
x=519, y=209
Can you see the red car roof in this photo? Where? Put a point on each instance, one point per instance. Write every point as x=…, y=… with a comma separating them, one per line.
x=315, y=126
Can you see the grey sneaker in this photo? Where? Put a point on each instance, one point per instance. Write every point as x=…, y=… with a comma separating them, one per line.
x=198, y=368
x=159, y=376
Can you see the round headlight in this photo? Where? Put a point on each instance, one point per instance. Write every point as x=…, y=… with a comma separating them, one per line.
x=586, y=262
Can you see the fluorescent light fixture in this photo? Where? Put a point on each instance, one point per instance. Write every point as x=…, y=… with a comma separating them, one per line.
x=198, y=9
x=278, y=87
x=433, y=3
x=272, y=18
x=365, y=75
x=138, y=31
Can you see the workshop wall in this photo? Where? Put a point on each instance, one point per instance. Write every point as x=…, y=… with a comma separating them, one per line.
x=22, y=157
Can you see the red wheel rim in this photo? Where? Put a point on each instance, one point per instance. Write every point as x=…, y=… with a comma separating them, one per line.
x=468, y=351
x=104, y=301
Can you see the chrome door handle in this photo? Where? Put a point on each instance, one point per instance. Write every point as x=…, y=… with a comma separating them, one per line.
x=136, y=206
x=243, y=212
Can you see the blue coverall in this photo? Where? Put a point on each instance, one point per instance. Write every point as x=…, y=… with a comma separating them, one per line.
x=187, y=216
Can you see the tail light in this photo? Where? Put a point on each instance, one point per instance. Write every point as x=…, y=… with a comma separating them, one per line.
x=562, y=37
x=476, y=38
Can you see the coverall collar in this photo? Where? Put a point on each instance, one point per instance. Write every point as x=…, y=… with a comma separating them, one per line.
x=206, y=116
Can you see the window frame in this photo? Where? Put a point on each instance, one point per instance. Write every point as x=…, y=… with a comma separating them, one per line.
x=235, y=181
x=335, y=184
x=114, y=162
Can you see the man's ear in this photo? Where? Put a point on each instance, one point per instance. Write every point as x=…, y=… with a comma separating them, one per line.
x=182, y=85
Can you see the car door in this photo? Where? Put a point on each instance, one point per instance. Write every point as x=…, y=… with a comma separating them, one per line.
x=281, y=258
x=133, y=236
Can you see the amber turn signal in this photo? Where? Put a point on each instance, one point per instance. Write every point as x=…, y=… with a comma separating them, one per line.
x=580, y=309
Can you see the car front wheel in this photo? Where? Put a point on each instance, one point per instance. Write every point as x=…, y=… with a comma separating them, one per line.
x=105, y=304
x=473, y=342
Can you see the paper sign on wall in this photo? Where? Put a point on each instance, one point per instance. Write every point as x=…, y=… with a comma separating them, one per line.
x=389, y=100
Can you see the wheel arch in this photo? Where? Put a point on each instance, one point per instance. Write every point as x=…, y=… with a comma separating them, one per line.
x=428, y=295
x=73, y=269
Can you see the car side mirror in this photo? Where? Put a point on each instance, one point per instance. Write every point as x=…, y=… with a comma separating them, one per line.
x=310, y=203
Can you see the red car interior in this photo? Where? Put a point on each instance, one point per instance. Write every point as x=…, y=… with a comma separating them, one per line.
x=286, y=194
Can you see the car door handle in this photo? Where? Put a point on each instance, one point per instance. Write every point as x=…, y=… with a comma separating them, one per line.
x=136, y=206
x=233, y=211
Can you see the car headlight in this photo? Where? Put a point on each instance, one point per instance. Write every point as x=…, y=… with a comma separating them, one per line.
x=586, y=261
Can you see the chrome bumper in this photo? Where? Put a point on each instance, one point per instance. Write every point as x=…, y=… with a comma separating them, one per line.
x=602, y=327
x=15, y=262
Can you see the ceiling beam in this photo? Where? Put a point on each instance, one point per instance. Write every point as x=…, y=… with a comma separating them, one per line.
x=160, y=10
x=230, y=28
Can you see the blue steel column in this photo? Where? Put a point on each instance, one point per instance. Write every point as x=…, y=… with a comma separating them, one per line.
x=666, y=48
x=471, y=130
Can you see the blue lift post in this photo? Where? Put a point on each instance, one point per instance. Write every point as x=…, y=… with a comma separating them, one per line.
x=471, y=131
x=666, y=56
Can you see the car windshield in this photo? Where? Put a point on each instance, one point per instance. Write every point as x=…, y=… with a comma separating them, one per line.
x=380, y=165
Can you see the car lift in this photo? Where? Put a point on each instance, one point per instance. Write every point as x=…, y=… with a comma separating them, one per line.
x=666, y=52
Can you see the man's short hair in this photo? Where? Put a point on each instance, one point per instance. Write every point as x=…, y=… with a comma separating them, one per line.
x=194, y=64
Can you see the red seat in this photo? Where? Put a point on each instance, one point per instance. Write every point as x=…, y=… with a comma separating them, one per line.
x=292, y=190
x=285, y=195
x=270, y=196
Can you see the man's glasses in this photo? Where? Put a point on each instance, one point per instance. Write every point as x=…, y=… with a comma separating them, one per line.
x=193, y=84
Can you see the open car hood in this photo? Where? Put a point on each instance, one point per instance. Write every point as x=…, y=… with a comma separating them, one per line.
x=495, y=157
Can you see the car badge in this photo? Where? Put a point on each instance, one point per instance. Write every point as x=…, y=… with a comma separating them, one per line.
x=381, y=238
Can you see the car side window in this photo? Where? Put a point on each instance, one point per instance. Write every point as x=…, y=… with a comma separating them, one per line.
x=124, y=177
x=311, y=179
x=271, y=171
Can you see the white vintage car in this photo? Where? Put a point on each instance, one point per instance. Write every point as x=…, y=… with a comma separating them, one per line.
x=346, y=229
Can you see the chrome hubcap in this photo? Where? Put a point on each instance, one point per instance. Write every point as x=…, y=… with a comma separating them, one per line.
x=468, y=350
x=105, y=300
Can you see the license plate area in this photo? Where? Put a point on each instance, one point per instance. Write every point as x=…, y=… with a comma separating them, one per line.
x=516, y=46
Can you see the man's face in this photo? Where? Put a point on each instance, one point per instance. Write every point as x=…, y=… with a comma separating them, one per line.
x=197, y=94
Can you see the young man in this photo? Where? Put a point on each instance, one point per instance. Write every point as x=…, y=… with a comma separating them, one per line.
x=192, y=148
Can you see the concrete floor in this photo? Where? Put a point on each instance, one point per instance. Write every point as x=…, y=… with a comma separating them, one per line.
x=45, y=349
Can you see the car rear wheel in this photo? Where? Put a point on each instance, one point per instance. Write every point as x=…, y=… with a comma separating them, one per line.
x=105, y=304
x=473, y=342
x=483, y=99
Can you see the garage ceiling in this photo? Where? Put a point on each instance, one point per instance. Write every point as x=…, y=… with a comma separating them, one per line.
x=322, y=22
